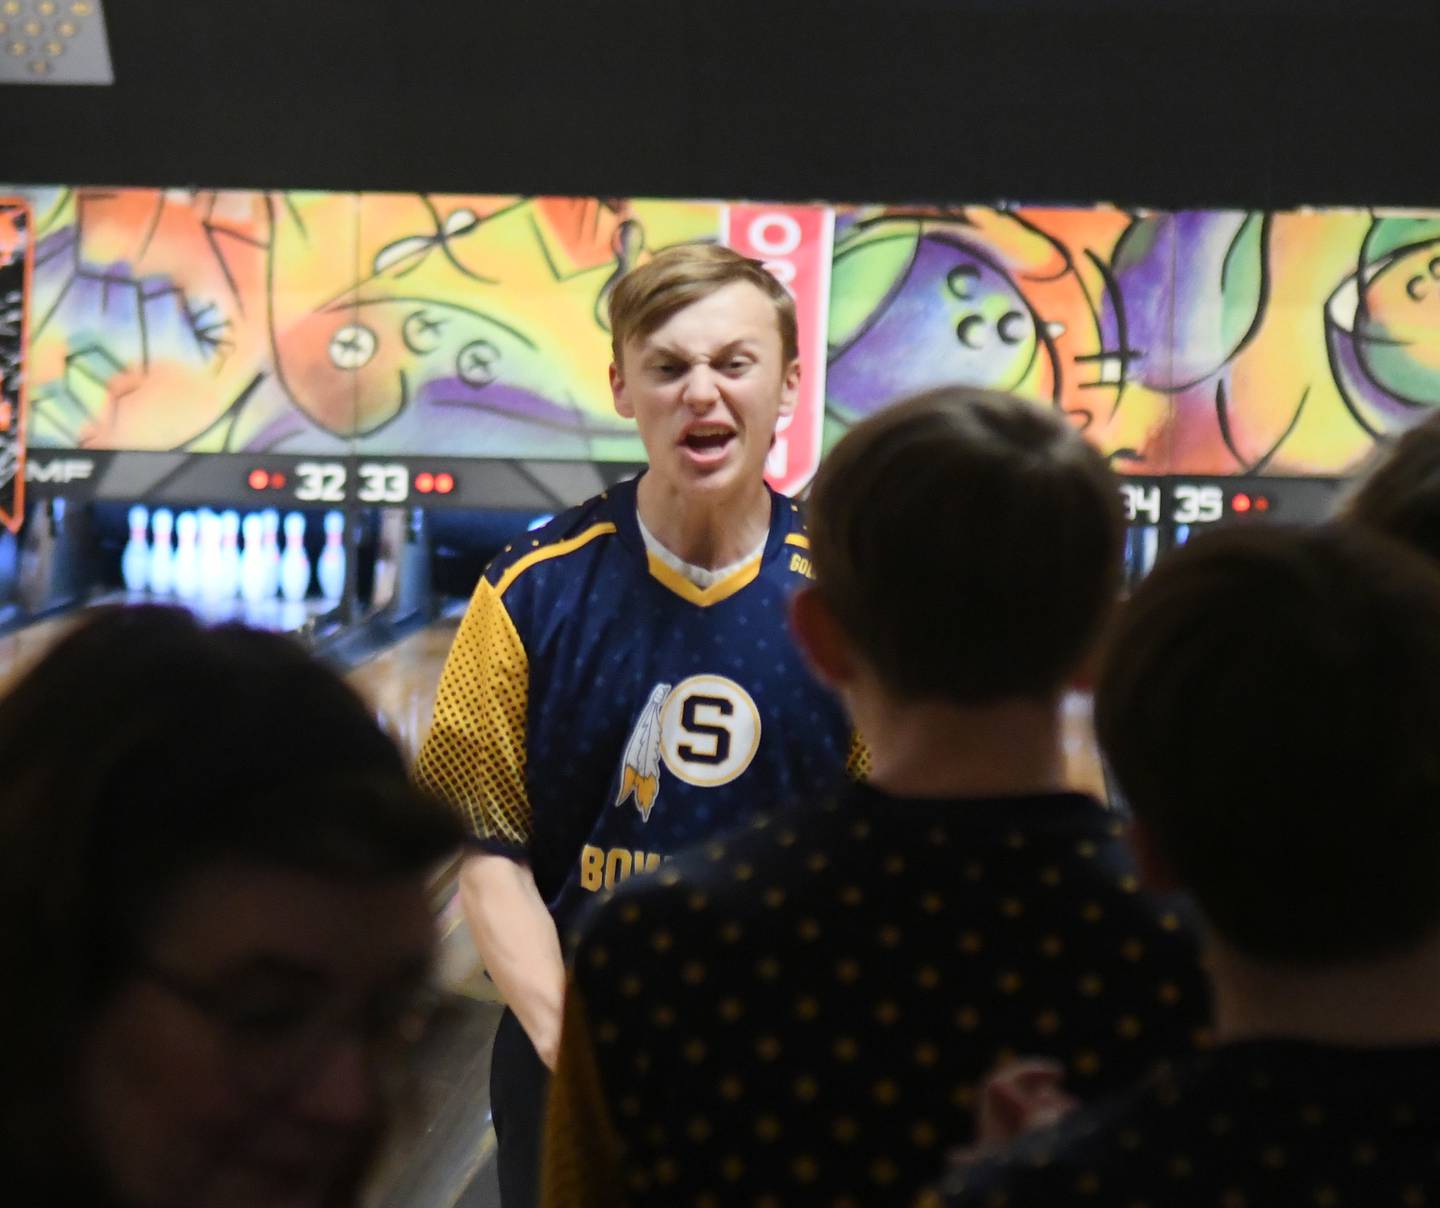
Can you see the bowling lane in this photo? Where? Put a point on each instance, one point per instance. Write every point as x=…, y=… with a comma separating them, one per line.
x=21, y=648
x=400, y=681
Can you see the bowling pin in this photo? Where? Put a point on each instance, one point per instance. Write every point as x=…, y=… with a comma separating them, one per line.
x=294, y=564
x=270, y=543
x=162, y=554
x=330, y=569
x=211, y=571
x=254, y=568
x=187, y=556
x=135, y=561
x=229, y=562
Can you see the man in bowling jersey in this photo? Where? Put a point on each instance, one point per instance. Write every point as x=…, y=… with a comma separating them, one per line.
x=622, y=685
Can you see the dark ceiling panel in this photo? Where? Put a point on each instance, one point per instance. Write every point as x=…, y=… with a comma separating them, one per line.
x=1269, y=103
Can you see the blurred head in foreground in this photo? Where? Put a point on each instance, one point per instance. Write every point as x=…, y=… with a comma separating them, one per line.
x=1270, y=704
x=213, y=877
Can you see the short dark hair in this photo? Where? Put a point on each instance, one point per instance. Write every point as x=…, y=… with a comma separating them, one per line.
x=1399, y=493
x=1269, y=701
x=143, y=748
x=969, y=543
x=646, y=297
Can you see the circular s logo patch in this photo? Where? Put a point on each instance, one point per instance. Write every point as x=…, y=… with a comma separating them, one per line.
x=709, y=730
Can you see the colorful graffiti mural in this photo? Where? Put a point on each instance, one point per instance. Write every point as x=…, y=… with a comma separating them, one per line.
x=15, y=268
x=1204, y=342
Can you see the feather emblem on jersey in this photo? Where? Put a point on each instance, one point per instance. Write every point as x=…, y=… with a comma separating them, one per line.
x=640, y=776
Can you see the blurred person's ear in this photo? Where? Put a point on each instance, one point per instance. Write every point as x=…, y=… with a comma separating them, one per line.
x=821, y=640
x=1157, y=874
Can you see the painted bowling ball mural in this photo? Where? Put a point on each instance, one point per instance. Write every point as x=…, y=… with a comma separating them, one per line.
x=912, y=311
x=1188, y=292
x=1383, y=324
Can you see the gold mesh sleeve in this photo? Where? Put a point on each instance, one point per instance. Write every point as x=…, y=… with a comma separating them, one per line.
x=581, y=1166
x=474, y=755
x=857, y=763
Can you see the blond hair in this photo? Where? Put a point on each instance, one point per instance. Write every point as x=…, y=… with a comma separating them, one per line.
x=677, y=277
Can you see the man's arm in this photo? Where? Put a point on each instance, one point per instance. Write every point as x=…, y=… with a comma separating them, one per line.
x=517, y=940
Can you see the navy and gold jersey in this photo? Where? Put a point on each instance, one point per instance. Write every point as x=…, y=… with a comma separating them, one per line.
x=1256, y=1124
x=599, y=712
x=801, y=1013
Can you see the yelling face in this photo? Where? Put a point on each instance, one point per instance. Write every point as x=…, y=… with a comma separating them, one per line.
x=706, y=388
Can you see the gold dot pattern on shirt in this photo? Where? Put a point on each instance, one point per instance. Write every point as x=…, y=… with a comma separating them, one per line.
x=844, y=1129
x=661, y=941
x=474, y=755
x=805, y=1169
x=1092, y=912
x=1326, y=1197
x=894, y=865
x=1132, y=950
x=923, y=1134
x=845, y=1048
x=767, y=968
x=1047, y=1023
x=883, y=1172
x=1052, y=946
x=733, y=1168
x=662, y=1016
x=857, y=762
x=927, y=977
x=805, y=1088
x=767, y=1128
x=774, y=898
x=731, y=1088
x=731, y=1009
x=699, y=1130
x=808, y=930
x=1050, y=876
x=852, y=895
x=887, y=1012
x=807, y=1008
x=926, y=1054
x=731, y=933
x=695, y=1050
x=767, y=1048
x=817, y=861
x=1088, y=1183
x=847, y=971
x=1272, y=1157
x=693, y=973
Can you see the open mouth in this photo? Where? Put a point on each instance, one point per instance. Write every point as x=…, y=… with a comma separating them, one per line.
x=707, y=442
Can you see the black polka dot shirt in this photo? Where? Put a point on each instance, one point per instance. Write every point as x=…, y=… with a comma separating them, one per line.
x=1263, y=1124
x=799, y=1014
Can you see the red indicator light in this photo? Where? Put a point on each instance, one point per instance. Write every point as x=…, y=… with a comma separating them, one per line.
x=258, y=480
x=1261, y=503
x=1240, y=503
x=444, y=483
x=424, y=482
